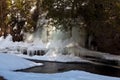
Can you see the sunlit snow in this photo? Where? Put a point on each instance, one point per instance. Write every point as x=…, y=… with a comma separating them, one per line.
x=11, y=59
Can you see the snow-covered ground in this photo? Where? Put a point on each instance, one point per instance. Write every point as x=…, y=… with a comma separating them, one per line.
x=54, y=48
x=54, y=57
x=10, y=62
x=70, y=75
x=8, y=46
x=54, y=53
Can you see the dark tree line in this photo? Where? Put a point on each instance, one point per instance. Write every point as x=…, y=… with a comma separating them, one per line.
x=16, y=17
x=100, y=18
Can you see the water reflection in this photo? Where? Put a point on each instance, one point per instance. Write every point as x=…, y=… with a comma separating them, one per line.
x=55, y=67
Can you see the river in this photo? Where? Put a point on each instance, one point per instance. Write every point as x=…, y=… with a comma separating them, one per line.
x=93, y=67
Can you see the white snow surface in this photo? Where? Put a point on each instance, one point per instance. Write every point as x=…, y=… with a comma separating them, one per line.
x=8, y=46
x=70, y=75
x=55, y=49
x=11, y=62
x=54, y=57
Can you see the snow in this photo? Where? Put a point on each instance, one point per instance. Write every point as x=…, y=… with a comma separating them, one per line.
x=33, y=9
x=11, y=62
x=54, y=53
x=70, y=75
x=55, y=57
x=15, y=62
x=54, y=48
x=8, y=46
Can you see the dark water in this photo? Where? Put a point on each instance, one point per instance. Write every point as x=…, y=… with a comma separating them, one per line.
x=56, y=67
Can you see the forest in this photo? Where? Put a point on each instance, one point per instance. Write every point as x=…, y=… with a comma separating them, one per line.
x=100, y=18
x=59, y=39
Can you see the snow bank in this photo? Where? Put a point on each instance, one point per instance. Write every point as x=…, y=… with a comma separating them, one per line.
x=53, y=55
x=15, y=62
x=8, y=46
x=58, y=58
x=69, y=47
x=11, y=62
x=70, y=75
x=56, y=49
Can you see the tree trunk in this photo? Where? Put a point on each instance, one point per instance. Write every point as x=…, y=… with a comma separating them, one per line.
x=3, y=14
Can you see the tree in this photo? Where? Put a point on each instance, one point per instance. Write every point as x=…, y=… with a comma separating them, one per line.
x=20, y=17
x=102, y=19
x=3, y=14
x=64, y=13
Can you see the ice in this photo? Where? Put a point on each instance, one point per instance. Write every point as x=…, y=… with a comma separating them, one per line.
x=9, y=62
x=56, y=49
x=67, y=50
x=8, y=46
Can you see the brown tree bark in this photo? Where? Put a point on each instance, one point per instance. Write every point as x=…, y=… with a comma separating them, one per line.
x=3, y=15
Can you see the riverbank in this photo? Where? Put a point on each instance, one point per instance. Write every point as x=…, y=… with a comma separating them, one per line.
x=57, y=71
x=60, y=67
